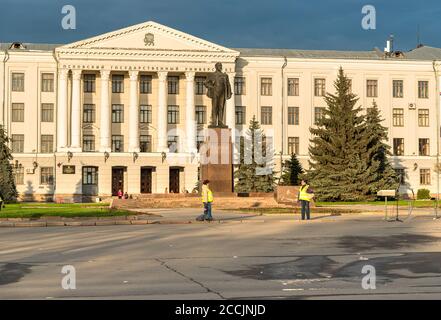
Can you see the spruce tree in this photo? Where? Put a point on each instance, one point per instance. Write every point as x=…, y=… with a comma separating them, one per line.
x=254, y=173
x=8, y=190
x=292, y=171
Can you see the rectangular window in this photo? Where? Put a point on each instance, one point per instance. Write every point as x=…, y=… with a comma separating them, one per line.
x=117, y=143
x=319, y=87
x=145, y=84
x=89, y=82
x=201, y=114
x=372, y=88
x=17, y=143
x=88, y=143
x=239, y=86
x=17, y=80
x=266, y=86
x=145, y=143
x=398, y=117
x=172, y=143
x=423, y=89
x=200, y=88
x=423, y=147
x=17, y=112
x=200, y=139
x=398, y=147
x=401, y=175
x=293, y=115
x=423, y=117
x=266, y=115
x=424, y=176
x=47, y=82
x=145, y=114
x=47, y=143
x=397, y=88
x=240, y=115
x=90, y=176
x=18, y=175
x=173, y=114
x=46, y=175
x=173, y=84
x=293, y=145
x=318, y=114
x=89, y=113
x=47, y=112
x=117, y=83
x=293, y=86
x=117, y=113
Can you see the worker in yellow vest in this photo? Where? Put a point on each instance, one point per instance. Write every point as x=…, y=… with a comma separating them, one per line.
x=207, y=199
x=305, y=196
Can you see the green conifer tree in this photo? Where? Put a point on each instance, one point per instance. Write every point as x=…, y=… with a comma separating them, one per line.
x=8, y=190
x=292, y=169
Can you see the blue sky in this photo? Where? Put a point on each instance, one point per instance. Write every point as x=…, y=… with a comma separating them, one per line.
x=311, y=24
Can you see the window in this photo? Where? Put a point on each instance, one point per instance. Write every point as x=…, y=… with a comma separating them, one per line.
x=424, y=176
x=398, y=146
x=117, y=83
x=173, y=84
x=398, y=117
x=89, y=82
x=90, y=176
x=267, y=145
x=293, y=86
x=47, y=82
x=47, y=112
x=19, y=175
x=18, y=112
x=117, y=113
x=423, y=117
x=145, y=143
x=239, y=85
x=423, y=89
x=172, y=143
x=88, y=143
x=145, y=84
x=17, y=143
x=266, y=86
x=319, y=113
x=201, y=114
x=293, y=145
x=145, y=114
x=293, y=115
x=173, y=114
x=401, y=175
x=89, y=113
x=199, y=85
x=117, y=143
x=240, y=115
x=319, y=87
x=47, y=143
x=266, y=115
x=372, y=88
x=397, y=88
x=423, y=147
x=17, y=82
x=200, y=139
x=46, y=175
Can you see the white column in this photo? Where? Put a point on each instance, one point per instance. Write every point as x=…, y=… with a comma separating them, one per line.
x=190, y=123
x=133, y=113
x=231, y=106
x=105, y=125
x=62, y=110
x=162, y=112
x=76, y=112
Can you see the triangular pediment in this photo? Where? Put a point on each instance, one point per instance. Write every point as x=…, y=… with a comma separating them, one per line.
x=148, y=36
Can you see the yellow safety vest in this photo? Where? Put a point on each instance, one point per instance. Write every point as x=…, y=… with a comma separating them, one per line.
x=209, y=195
x=303, y=193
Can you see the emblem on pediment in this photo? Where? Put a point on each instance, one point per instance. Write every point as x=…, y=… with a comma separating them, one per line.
x=149, y=39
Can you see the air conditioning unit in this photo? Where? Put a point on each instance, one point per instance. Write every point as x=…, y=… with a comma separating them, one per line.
x=30, y=171
x=412, y=106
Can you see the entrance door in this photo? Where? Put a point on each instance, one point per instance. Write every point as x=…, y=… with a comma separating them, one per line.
x=146, y=180
x=117, y=180
x=174, y=180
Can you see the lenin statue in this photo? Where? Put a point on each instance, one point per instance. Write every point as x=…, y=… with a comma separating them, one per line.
x=219, y=90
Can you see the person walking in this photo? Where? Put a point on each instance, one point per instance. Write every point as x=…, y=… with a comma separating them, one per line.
x=305, y=196
x=207, y=199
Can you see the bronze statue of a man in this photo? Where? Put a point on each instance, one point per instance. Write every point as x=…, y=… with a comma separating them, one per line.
x=219, y=90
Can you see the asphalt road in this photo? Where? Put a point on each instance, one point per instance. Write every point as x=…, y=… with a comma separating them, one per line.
x=276, y=259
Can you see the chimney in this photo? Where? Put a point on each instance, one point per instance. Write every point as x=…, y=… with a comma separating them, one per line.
x=389, y=45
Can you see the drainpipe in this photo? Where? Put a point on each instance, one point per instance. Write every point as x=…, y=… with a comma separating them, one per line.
x=437, y=99
x=56, y=125
x=285, y=62
x=4, y=86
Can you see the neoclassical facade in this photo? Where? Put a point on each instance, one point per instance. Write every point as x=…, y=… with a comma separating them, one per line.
x=127, y=109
